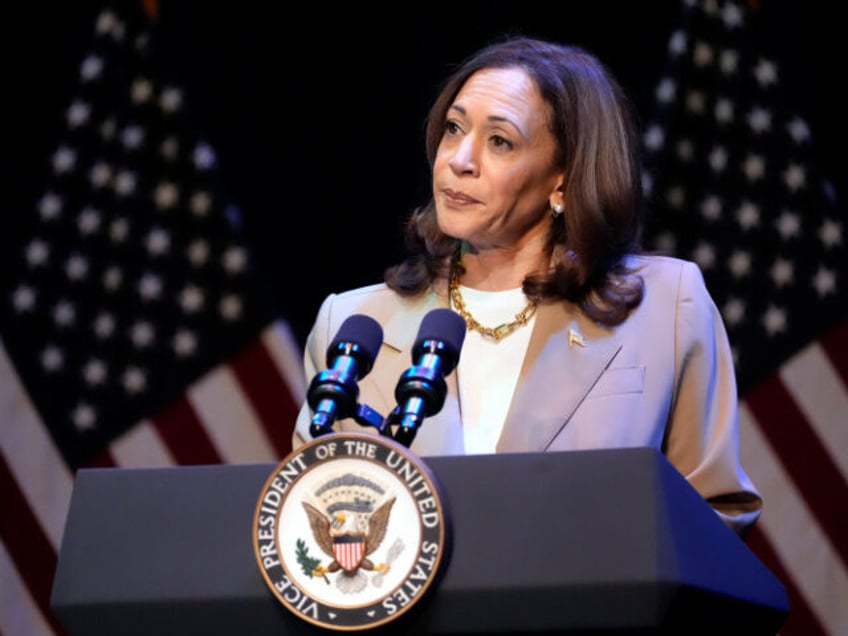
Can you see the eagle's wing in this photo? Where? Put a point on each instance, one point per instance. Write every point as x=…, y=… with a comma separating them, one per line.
x=377, y=524
x=320, y=527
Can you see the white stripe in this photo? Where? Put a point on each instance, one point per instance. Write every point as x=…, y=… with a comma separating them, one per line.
x=288, y=357
x=41, y=472
x=229, y=419
x=141, y=447
x=819, y=392
x=19, y=615
x=802, y=547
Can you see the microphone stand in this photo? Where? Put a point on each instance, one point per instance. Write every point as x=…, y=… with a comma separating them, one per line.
x=406, y=427
x=364, y=415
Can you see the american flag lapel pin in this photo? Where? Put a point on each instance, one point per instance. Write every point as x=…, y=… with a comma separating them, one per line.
x=574, y=338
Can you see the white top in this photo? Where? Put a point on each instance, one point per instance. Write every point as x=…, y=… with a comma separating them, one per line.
x=488, y=369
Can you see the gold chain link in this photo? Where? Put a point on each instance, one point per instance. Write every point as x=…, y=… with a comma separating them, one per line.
x=497, y=333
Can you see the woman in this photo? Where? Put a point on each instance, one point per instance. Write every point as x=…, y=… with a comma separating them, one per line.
x=575, y=340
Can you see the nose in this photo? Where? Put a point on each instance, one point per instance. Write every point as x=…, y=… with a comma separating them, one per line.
x=463, y=160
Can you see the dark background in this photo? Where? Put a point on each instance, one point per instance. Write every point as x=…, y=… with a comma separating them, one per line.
x=317, y=113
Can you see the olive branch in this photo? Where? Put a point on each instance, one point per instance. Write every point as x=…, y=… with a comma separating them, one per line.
x=307, y=563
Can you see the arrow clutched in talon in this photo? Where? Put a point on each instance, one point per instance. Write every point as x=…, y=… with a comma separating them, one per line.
x=394, y=553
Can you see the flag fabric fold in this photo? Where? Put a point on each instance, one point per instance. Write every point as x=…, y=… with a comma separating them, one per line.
x=135, y=327
x=734, y=184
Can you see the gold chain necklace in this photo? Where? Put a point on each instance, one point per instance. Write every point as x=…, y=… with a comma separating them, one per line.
x=497, y=333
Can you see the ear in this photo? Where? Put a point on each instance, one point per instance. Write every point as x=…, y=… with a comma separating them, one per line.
x=557, y=196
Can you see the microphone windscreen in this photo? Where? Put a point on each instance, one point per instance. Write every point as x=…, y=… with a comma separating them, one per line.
x=362, y=331
x=444, y=325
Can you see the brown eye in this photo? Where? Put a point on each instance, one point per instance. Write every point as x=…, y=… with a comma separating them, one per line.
x=501, y=142
x=451, y=128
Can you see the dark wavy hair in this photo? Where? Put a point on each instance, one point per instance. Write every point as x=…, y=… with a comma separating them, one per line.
x=597, y=147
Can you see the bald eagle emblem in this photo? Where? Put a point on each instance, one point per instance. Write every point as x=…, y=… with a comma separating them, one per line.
x=348, y=517
x=349, y=531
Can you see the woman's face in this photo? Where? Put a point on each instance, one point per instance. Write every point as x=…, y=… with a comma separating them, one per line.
x=494, y=177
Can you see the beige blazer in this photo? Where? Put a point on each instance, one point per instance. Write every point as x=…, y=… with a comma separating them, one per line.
x=663, y=378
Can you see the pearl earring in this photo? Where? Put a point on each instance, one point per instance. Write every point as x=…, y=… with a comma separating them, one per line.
x=557, y=209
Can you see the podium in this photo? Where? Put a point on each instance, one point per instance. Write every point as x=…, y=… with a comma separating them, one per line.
x=580, y=542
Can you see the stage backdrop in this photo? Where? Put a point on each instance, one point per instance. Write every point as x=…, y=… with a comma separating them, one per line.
x=184, y=184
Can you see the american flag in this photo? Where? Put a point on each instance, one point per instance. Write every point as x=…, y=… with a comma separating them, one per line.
x=135, y=327
x=734, y=184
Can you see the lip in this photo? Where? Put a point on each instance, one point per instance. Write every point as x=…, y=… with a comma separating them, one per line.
x=458, y=198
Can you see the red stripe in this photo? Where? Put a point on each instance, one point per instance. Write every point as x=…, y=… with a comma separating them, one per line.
x=835, y=345
x=804, y=457
x=268, y=392
x=27, y=544
x=801, y=620
x=348, y=554
x=183, y=433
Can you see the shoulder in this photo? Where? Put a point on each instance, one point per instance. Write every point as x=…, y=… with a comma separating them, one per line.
x=676, y=287
x=397, y=314
x=658, y=265
x=670, y=281
x=369, y=299
x=362, y=294
x=670, y=272
x=360, y=300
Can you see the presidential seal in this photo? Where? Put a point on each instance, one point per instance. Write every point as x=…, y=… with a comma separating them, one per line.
x=349, y=531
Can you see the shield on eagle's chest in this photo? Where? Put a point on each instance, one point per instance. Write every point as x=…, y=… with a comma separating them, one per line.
x=349, y=550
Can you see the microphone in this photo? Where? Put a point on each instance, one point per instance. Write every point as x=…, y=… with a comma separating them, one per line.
x=420, y=391
x=333, y=392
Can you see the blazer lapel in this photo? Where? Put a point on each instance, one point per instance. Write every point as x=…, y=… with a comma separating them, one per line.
x=565, y=357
